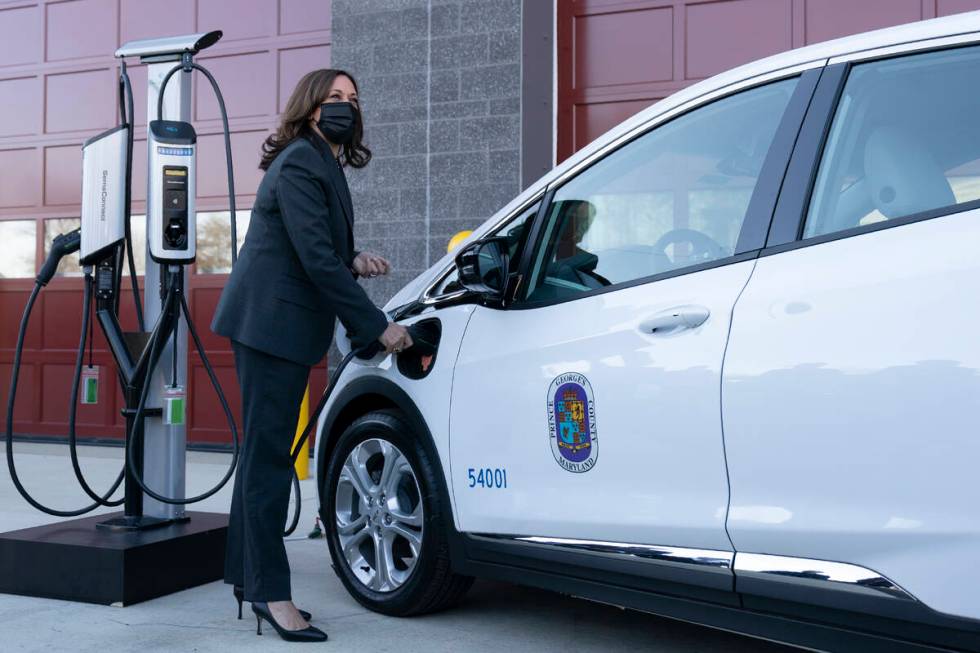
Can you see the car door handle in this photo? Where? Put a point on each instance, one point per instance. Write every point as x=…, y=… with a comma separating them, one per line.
x=675, y=319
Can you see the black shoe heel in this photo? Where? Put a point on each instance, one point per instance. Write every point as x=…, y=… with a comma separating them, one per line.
x=308, y=634
x=239, y=593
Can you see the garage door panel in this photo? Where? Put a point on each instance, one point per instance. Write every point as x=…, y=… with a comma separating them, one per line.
x=77, y=101
x=239, y=75
x=256, y=18
x=12, y=304
x=56, y=382
x=61, y=319
x=947, y=7
x=824, y=17
x=18, y=186
x=61, y=183
x=18, y=114
x=299, y=16
x=147, y=19
x=206, y=417
x=20, y=35
x=712, y=45
x=594, y=119
x=296, y=62
x=644, y=52
x=25, y=407
x=65, y=40
x=246, y=150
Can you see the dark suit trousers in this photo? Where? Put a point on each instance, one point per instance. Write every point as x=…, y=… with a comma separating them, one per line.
x=272, y=391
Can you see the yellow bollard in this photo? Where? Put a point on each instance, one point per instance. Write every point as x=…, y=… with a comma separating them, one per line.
x=455, y=241
x=303, y=460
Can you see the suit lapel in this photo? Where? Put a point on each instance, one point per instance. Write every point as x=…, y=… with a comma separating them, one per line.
x=337, y=178
x=342, y=189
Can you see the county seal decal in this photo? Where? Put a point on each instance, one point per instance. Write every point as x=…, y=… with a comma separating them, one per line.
x=571, y=422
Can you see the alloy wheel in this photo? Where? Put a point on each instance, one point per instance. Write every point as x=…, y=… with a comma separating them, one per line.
x=379, y=515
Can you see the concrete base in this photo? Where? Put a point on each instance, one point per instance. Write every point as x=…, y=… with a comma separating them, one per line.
x=76, y=561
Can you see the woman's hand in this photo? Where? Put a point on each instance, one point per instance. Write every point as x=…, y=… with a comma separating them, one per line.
x=371, y=265
x=395, y=338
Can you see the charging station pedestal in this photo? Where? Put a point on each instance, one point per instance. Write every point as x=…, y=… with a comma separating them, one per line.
x=77, y=561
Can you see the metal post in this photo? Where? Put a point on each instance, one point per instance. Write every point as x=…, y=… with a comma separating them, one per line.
x=164, y=457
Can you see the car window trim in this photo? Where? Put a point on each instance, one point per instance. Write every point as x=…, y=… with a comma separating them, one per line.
x=935, y=44
x=762, y=204
x=786, y=233
x=530, y=246
x=691, y=269
x=777, y=159
x=912, y=218
x=794, y=196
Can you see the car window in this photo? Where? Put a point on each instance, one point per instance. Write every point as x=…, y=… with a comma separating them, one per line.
x=516, y=230
x=673, y=198
x=905, y=139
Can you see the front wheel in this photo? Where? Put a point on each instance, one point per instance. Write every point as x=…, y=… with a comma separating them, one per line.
x=385, y=520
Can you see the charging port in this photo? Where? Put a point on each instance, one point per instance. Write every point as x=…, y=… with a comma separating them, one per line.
x=420, y=359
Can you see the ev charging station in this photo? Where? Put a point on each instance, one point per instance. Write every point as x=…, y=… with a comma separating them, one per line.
x=154, y=547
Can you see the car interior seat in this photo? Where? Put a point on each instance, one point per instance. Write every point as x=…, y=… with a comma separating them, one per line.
x=903, y=177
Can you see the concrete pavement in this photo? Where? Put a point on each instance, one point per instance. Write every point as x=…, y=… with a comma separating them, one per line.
x=493, y=617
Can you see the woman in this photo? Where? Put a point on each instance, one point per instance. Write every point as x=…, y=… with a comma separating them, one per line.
x=296, y=275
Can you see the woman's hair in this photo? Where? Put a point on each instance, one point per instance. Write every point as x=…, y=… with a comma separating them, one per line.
x=310, y=93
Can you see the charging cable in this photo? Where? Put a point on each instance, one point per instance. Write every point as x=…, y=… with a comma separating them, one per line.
x=63, y=245
x=419, y=344
x=187, y=65
x=176, y=302
x=126, y=111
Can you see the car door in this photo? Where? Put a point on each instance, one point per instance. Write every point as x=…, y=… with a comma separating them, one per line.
x=852, y=378
x=588, y=409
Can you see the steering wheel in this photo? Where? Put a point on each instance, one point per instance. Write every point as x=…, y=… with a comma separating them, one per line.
x=705, y=247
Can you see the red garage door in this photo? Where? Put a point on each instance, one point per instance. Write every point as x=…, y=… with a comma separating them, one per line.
x=58, y=85
x=616, y=57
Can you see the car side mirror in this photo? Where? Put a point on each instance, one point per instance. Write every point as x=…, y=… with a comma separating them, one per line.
x=483, y=267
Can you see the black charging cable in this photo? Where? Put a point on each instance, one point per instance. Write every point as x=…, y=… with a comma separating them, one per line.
x=298, y=447
x=419, y=344
x=63, y=245
x=175, y=301
x=73, y=407
x=187, y=64
x=127, y=113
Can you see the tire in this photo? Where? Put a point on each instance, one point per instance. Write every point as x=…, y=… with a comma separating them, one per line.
x=415, y=579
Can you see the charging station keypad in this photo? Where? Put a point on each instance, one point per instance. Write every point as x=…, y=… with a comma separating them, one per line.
x=175, y=207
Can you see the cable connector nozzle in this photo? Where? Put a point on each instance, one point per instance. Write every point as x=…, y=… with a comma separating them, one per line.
x=62, y=246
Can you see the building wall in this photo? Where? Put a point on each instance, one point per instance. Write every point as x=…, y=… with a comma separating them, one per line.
x=617, y=57
x=58, y=88
x=440, y=83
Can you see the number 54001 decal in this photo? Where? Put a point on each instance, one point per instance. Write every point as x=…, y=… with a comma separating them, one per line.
x=491, y=478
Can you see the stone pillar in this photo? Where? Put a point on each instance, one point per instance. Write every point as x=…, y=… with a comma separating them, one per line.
x=440, y=83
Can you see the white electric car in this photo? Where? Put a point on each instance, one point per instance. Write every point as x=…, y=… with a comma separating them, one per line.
x=722, y=365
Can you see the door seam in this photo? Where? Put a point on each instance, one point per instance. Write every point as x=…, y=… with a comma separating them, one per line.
x=721, y=412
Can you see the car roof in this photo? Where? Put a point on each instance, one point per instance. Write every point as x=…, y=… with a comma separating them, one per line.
x=957, y=24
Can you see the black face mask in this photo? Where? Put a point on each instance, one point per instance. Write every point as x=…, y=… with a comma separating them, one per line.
x=337, y=120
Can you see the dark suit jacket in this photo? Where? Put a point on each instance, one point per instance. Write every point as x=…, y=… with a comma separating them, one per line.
x=293, y=277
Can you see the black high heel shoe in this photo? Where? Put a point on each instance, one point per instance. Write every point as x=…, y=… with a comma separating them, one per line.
x=308, y=634
x=239, y=593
